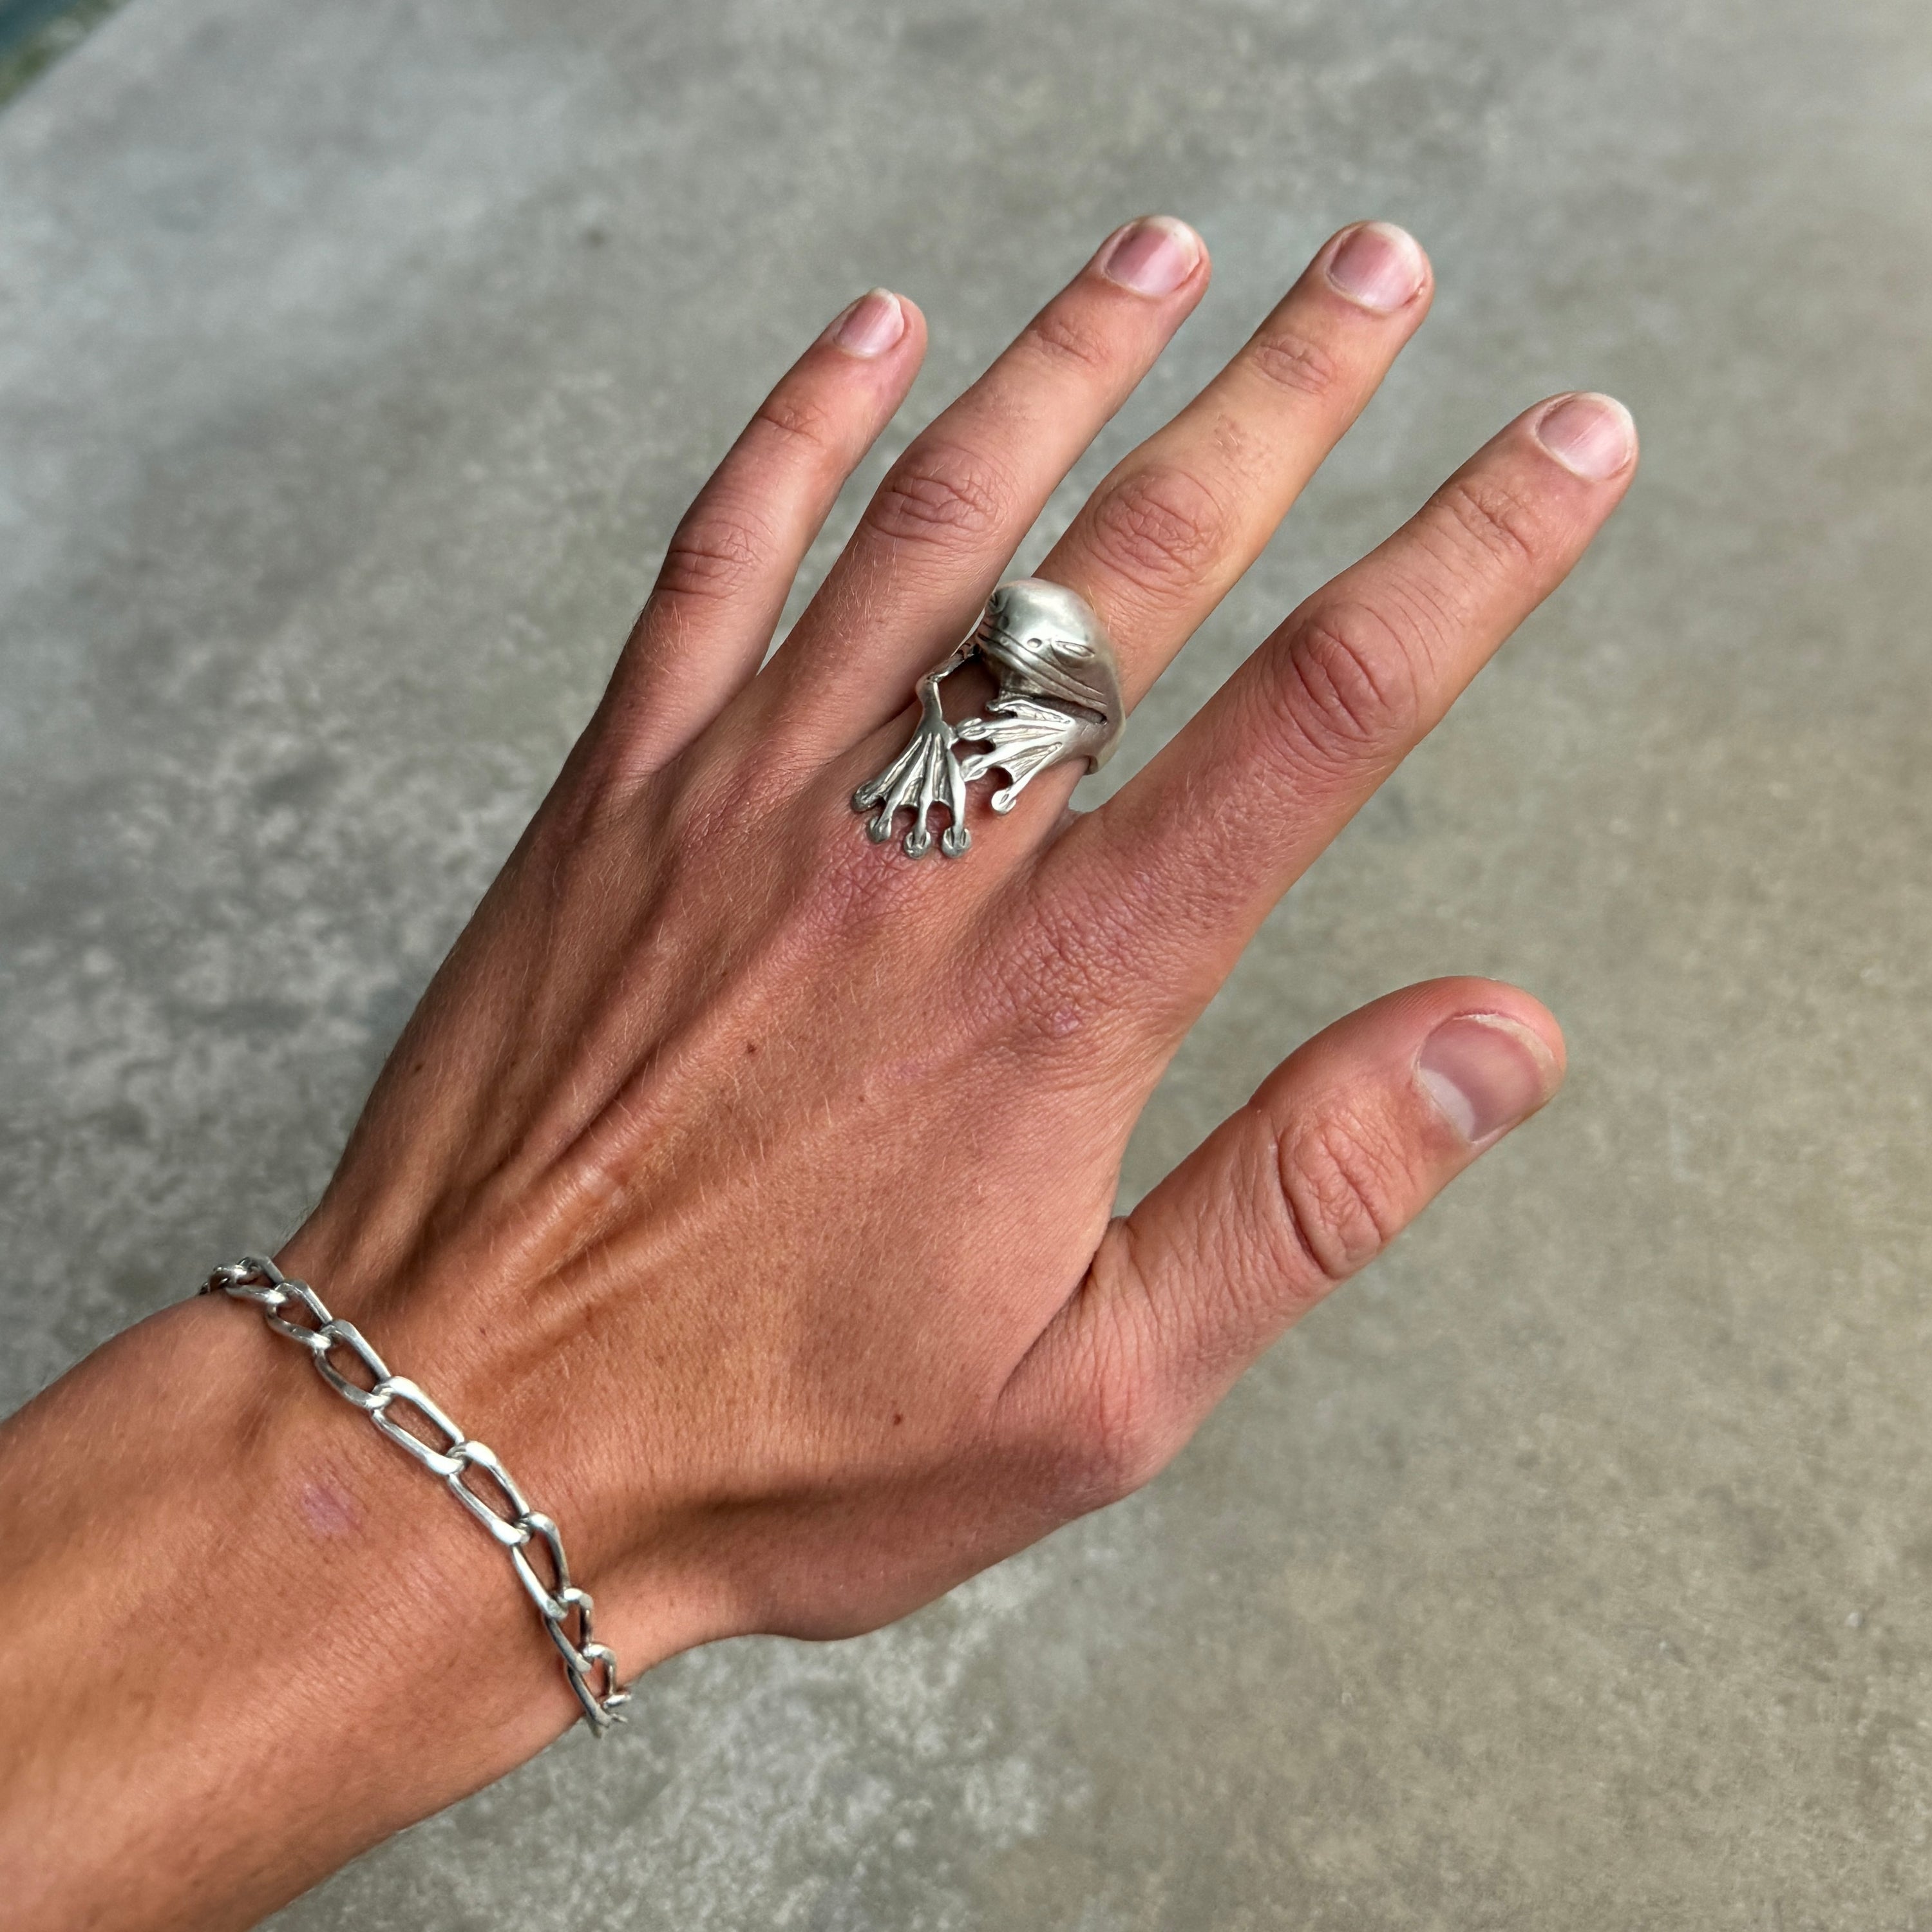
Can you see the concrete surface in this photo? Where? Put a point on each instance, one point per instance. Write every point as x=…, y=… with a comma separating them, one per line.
x=1572, y=1570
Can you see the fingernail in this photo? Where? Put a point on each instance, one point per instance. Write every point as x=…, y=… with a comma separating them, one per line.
x=1153, y=256
x=1485, y=1073
x=1592, y=436
x=871, y=325
x=1378, y=266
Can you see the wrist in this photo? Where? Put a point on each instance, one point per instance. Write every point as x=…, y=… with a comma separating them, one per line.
x=273, y=1616
x=519, y=1366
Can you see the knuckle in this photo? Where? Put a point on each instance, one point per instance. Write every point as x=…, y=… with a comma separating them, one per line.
x=1490, y=521
x=1116, y=1431
x=856, y=888
x=1347, y=692
x=1343, y=1186
x=1291, y=361
x=1160, y=529
x=1060, y=335
x=713, y=557
x=845, y=895
x=794, y=417
x=943, y=494
x=1056, y=968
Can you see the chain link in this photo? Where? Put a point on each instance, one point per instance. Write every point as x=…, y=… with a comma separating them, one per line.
x=498, y=1504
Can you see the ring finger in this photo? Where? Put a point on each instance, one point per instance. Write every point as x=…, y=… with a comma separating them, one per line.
x=953, y=509
x=1176, y=524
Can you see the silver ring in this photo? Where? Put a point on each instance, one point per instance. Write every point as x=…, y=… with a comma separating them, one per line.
x=1059, y=698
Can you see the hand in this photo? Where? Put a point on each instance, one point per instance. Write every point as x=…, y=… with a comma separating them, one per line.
x=745, y=1184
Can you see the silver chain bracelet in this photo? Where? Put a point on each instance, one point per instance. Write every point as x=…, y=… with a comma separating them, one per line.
x=516, y=1526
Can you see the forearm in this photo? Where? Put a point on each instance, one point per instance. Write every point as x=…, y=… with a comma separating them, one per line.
x=245, y=1639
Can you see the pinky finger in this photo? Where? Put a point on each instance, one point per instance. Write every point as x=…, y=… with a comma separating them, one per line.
x=1345, y=1143
x=730, y=562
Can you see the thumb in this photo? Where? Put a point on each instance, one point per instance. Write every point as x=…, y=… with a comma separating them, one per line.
x=1344, y=1144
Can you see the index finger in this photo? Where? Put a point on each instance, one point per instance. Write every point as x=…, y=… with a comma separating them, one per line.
x=1190, y=856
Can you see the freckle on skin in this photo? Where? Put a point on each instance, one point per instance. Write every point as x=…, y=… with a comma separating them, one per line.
x=327, y=1509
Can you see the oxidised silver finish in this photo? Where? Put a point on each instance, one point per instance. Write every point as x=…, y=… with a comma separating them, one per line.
x=499, y=1506
x=1059, y=698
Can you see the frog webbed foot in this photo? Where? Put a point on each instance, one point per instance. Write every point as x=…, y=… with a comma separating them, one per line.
x=1023, y=737
x=926, y=773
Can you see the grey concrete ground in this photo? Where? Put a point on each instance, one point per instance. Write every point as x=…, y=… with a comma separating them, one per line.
x=1573, y=1568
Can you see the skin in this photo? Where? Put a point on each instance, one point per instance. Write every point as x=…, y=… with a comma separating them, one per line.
x=748, y=1186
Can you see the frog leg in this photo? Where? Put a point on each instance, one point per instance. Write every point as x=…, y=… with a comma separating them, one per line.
x=1024, y=736
x=925, y=773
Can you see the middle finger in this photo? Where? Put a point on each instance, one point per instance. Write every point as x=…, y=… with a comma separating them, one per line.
x=951, y=511
x=1167, y=535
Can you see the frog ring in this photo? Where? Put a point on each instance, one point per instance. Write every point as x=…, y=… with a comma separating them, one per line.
x=1059, y=698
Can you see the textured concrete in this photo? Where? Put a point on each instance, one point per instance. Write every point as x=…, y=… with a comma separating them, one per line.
x=1571, y=1569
